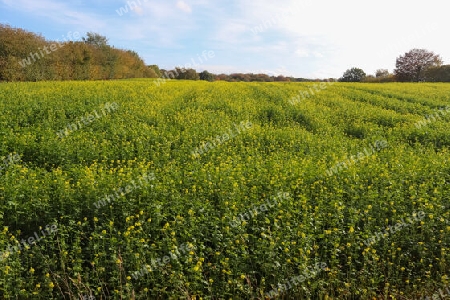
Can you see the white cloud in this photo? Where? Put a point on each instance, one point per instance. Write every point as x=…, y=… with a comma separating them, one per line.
x=184, y=6
x=138, y=10
x=318, y=54
x=302, y=53
x=60, y=13
x=350, y=32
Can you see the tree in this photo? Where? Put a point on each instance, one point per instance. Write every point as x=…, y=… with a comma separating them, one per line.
x=413, y=64
x=95, y=39
x=353, y=75
x=281, y=78
x=438, y=74
x=25, y=56
x=205, y=75
x=382, y=73
x=155, y=70
x=223, y=77
x=186, y=74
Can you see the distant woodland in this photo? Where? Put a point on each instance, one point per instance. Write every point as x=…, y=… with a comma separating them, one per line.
x=27, y=56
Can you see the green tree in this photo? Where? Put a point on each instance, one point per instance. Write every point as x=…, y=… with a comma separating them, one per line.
x=95, y=39
x=155, y=70
x=187, y=74
x=205, y=75
x=353, y=75
x=438, y=74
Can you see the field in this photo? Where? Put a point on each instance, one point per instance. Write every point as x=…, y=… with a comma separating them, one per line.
x=197, y=190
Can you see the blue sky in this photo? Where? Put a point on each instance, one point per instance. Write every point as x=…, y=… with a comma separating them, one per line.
x=301, y=38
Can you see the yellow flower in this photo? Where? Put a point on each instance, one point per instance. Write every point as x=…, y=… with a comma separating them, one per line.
x=31, y=270
x=51, y=285
x=351, y=230
x=128, y=278
x=95, y=219
x=38, y=285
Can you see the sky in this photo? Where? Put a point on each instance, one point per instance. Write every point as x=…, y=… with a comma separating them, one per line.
x=300, y=38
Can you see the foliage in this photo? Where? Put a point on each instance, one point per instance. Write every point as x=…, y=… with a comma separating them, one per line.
x=438, y=74
x=194, y=200
x=412, y=65
x=381, y=76
x=186, y=74
x=25, y=56
x=155, y=70
x=382, y=73
x=353, y=75
x=95, y=39
x=205, y=75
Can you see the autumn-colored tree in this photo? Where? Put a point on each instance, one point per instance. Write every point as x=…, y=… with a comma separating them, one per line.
x=26, y=56
x=281, y=78
x=154, y=71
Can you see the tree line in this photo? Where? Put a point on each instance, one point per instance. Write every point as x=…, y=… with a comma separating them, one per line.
x=416, y=65
x=26, y=56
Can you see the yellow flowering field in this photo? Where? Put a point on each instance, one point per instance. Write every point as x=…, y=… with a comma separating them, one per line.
x=199, y=190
